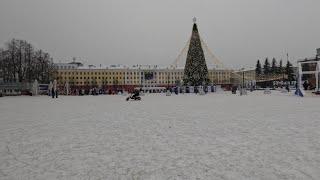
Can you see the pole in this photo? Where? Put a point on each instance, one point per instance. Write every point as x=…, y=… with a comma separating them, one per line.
x=287, y=62
x=242, y=86
x=168, y=80
x=243, y=79
x=318, y=74
x=300, y=75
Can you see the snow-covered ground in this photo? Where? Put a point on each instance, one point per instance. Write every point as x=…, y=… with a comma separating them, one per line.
x=217, y=136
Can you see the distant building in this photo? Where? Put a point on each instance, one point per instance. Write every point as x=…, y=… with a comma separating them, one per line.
x=244, y=76
x=60, y=66
x=72, y=65
x=309, y=70
x=1, y=76
x=128, y=78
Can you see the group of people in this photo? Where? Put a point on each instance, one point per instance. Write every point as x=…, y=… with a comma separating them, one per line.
x=82, y=92
x=53, y=90
x=235, y=88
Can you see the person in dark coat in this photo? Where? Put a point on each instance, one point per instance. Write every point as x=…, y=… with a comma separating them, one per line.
x=234, y=89
x=176, y=90
x=288, y=88
x=52, y=92
x=136, y=93
x=305, y=85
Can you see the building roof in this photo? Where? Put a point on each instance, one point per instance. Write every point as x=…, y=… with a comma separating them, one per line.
x=120, y=66
x=317, y=58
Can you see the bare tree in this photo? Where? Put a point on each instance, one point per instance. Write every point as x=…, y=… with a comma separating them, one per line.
x=21, y=62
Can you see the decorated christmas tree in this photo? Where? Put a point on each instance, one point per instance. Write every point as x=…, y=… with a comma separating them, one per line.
x=195, y=71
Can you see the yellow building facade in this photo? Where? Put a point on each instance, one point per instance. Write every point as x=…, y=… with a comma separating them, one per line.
x=129, y=77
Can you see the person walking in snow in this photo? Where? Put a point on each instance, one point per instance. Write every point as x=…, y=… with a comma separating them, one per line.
x=56, y=92
x=50, y=89
x=52, y=92
x=54, y=89
x=288, y=88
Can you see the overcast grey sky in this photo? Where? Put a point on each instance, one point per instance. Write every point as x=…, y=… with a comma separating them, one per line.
x=154, y=31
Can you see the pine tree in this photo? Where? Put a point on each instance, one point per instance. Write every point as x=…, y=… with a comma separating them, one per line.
x=280, y=68
x=258, y=68
x=289, y=71
x=266, y=66
x=274, y=66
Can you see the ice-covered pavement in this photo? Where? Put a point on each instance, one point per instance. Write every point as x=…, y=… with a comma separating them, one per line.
x=217, y=136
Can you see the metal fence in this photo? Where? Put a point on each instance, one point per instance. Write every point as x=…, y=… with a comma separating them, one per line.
x=15, y=89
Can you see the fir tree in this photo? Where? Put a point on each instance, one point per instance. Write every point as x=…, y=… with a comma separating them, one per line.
x=289, y=71
x=195, y=71
x=266, y=66
x=274, y=66
x=258, y=68
x=280, y=68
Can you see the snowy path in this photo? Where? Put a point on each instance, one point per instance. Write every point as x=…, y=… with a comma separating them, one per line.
x=217, y=136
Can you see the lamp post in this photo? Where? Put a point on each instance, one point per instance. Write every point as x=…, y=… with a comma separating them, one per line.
x=243, y=79
x=318, y=71
x=242, y=83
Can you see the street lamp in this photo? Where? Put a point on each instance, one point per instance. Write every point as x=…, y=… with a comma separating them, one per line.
x=242, y=91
